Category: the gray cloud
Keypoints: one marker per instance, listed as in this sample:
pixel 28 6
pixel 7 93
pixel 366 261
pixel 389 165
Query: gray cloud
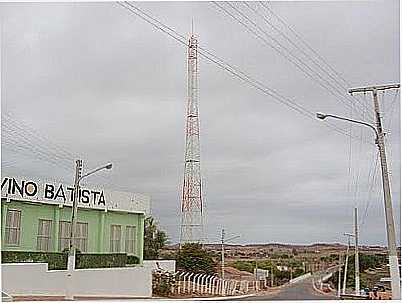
pixel 105 85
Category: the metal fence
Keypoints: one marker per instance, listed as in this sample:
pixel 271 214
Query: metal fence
pixel 199 284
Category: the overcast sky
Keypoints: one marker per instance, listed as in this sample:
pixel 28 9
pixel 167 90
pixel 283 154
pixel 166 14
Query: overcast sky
pixel 107 86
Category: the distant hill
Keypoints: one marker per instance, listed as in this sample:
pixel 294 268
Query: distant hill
pixel 314 246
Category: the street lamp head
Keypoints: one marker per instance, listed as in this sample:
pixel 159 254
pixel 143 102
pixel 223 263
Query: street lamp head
pixel 109 166
pixel 321 116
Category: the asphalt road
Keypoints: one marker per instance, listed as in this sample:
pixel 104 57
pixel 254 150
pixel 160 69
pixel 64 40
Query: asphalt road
pixel 299 291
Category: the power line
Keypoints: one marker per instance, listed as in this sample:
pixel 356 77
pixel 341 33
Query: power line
pixel 222 64
pixel 325 63
pixel 12 137
pixel 285 52
pixel 16 138
pixel 303 41
pixel 225 66
pixel 359 164
pixel 305 53
pixel 21 138
pixel 9 120
pixel 392 107
pixel 372 183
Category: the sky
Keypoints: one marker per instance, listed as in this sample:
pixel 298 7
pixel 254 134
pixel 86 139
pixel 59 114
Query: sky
pixel 93 80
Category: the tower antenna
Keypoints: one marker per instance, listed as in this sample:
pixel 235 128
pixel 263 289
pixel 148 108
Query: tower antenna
pixel 192 211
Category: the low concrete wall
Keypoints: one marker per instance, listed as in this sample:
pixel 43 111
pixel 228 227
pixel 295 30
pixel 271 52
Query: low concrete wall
pixel 168 265
pixel 300 278
pixel 31 279
pixel 22 279
pixel 326 277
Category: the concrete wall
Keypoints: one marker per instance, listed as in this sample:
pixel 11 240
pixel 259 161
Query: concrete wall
pixel 34 279
pixel 326 277
pixel 300 278
pixel 168 265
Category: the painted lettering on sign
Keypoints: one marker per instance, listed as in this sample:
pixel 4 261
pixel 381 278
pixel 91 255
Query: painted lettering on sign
pixel 55 192
pixel 24 188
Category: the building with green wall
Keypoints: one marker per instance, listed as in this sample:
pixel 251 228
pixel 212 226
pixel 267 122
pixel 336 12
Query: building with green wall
pixel 36 216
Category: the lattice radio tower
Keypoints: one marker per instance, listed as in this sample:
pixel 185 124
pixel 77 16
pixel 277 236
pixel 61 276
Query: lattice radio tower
pixel 191 229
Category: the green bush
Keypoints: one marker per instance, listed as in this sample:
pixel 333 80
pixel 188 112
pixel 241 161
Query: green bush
pixel 162 283
pixel 58 260
pixel 194 258
pixel 54 260
pixel 101 260
pixel 133 260
pixel 248 266
pixel 366 261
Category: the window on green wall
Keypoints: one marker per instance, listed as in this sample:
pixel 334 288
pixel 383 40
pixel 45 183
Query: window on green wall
pixel 13 227
pixel 64 235
pixel 130 239
pixel 115 238
pixel 44 239
pixel 81 235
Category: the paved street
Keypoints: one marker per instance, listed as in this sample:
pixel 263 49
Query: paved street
pixel 299 291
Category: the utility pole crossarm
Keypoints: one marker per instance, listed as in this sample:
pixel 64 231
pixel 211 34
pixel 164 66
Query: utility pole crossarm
pixel 372 88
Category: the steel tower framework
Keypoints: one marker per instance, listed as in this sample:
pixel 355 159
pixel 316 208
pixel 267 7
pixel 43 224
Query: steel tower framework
pixel 191 229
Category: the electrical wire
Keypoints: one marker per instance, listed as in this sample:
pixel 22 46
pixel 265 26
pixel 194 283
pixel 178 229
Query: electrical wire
pixel 306 44
pixel 19 137
pixel 226 66
pixel 335 83
pixel 254 29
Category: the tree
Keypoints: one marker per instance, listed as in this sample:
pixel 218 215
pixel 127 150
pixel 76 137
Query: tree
pixel 194 258
pixel 248 266
pixel 154 239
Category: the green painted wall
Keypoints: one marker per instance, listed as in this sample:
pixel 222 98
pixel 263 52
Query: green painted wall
pixel 99 223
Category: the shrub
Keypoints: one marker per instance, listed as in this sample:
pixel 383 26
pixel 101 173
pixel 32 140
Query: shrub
pixel 248 266
pixel 133 260
pixel 54 260
pixel 194 258
pixel 101 260
pixel 58 260
pixel 162 283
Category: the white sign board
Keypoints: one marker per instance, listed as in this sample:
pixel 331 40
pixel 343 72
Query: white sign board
pixel 50 192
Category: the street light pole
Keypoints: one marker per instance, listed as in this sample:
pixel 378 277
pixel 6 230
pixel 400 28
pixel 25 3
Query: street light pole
pixel 223 254
pixel 72 247
pixel 223 241
pixel 345 274
pixel 272 276
pixel 357 275
pixel 323 116
pixel 339 274
pixel 389 218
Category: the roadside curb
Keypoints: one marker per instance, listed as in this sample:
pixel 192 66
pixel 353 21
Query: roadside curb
pixel 318 290
pixel 210 298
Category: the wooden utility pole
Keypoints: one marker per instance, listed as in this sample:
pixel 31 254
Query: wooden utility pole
pixel 389 218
